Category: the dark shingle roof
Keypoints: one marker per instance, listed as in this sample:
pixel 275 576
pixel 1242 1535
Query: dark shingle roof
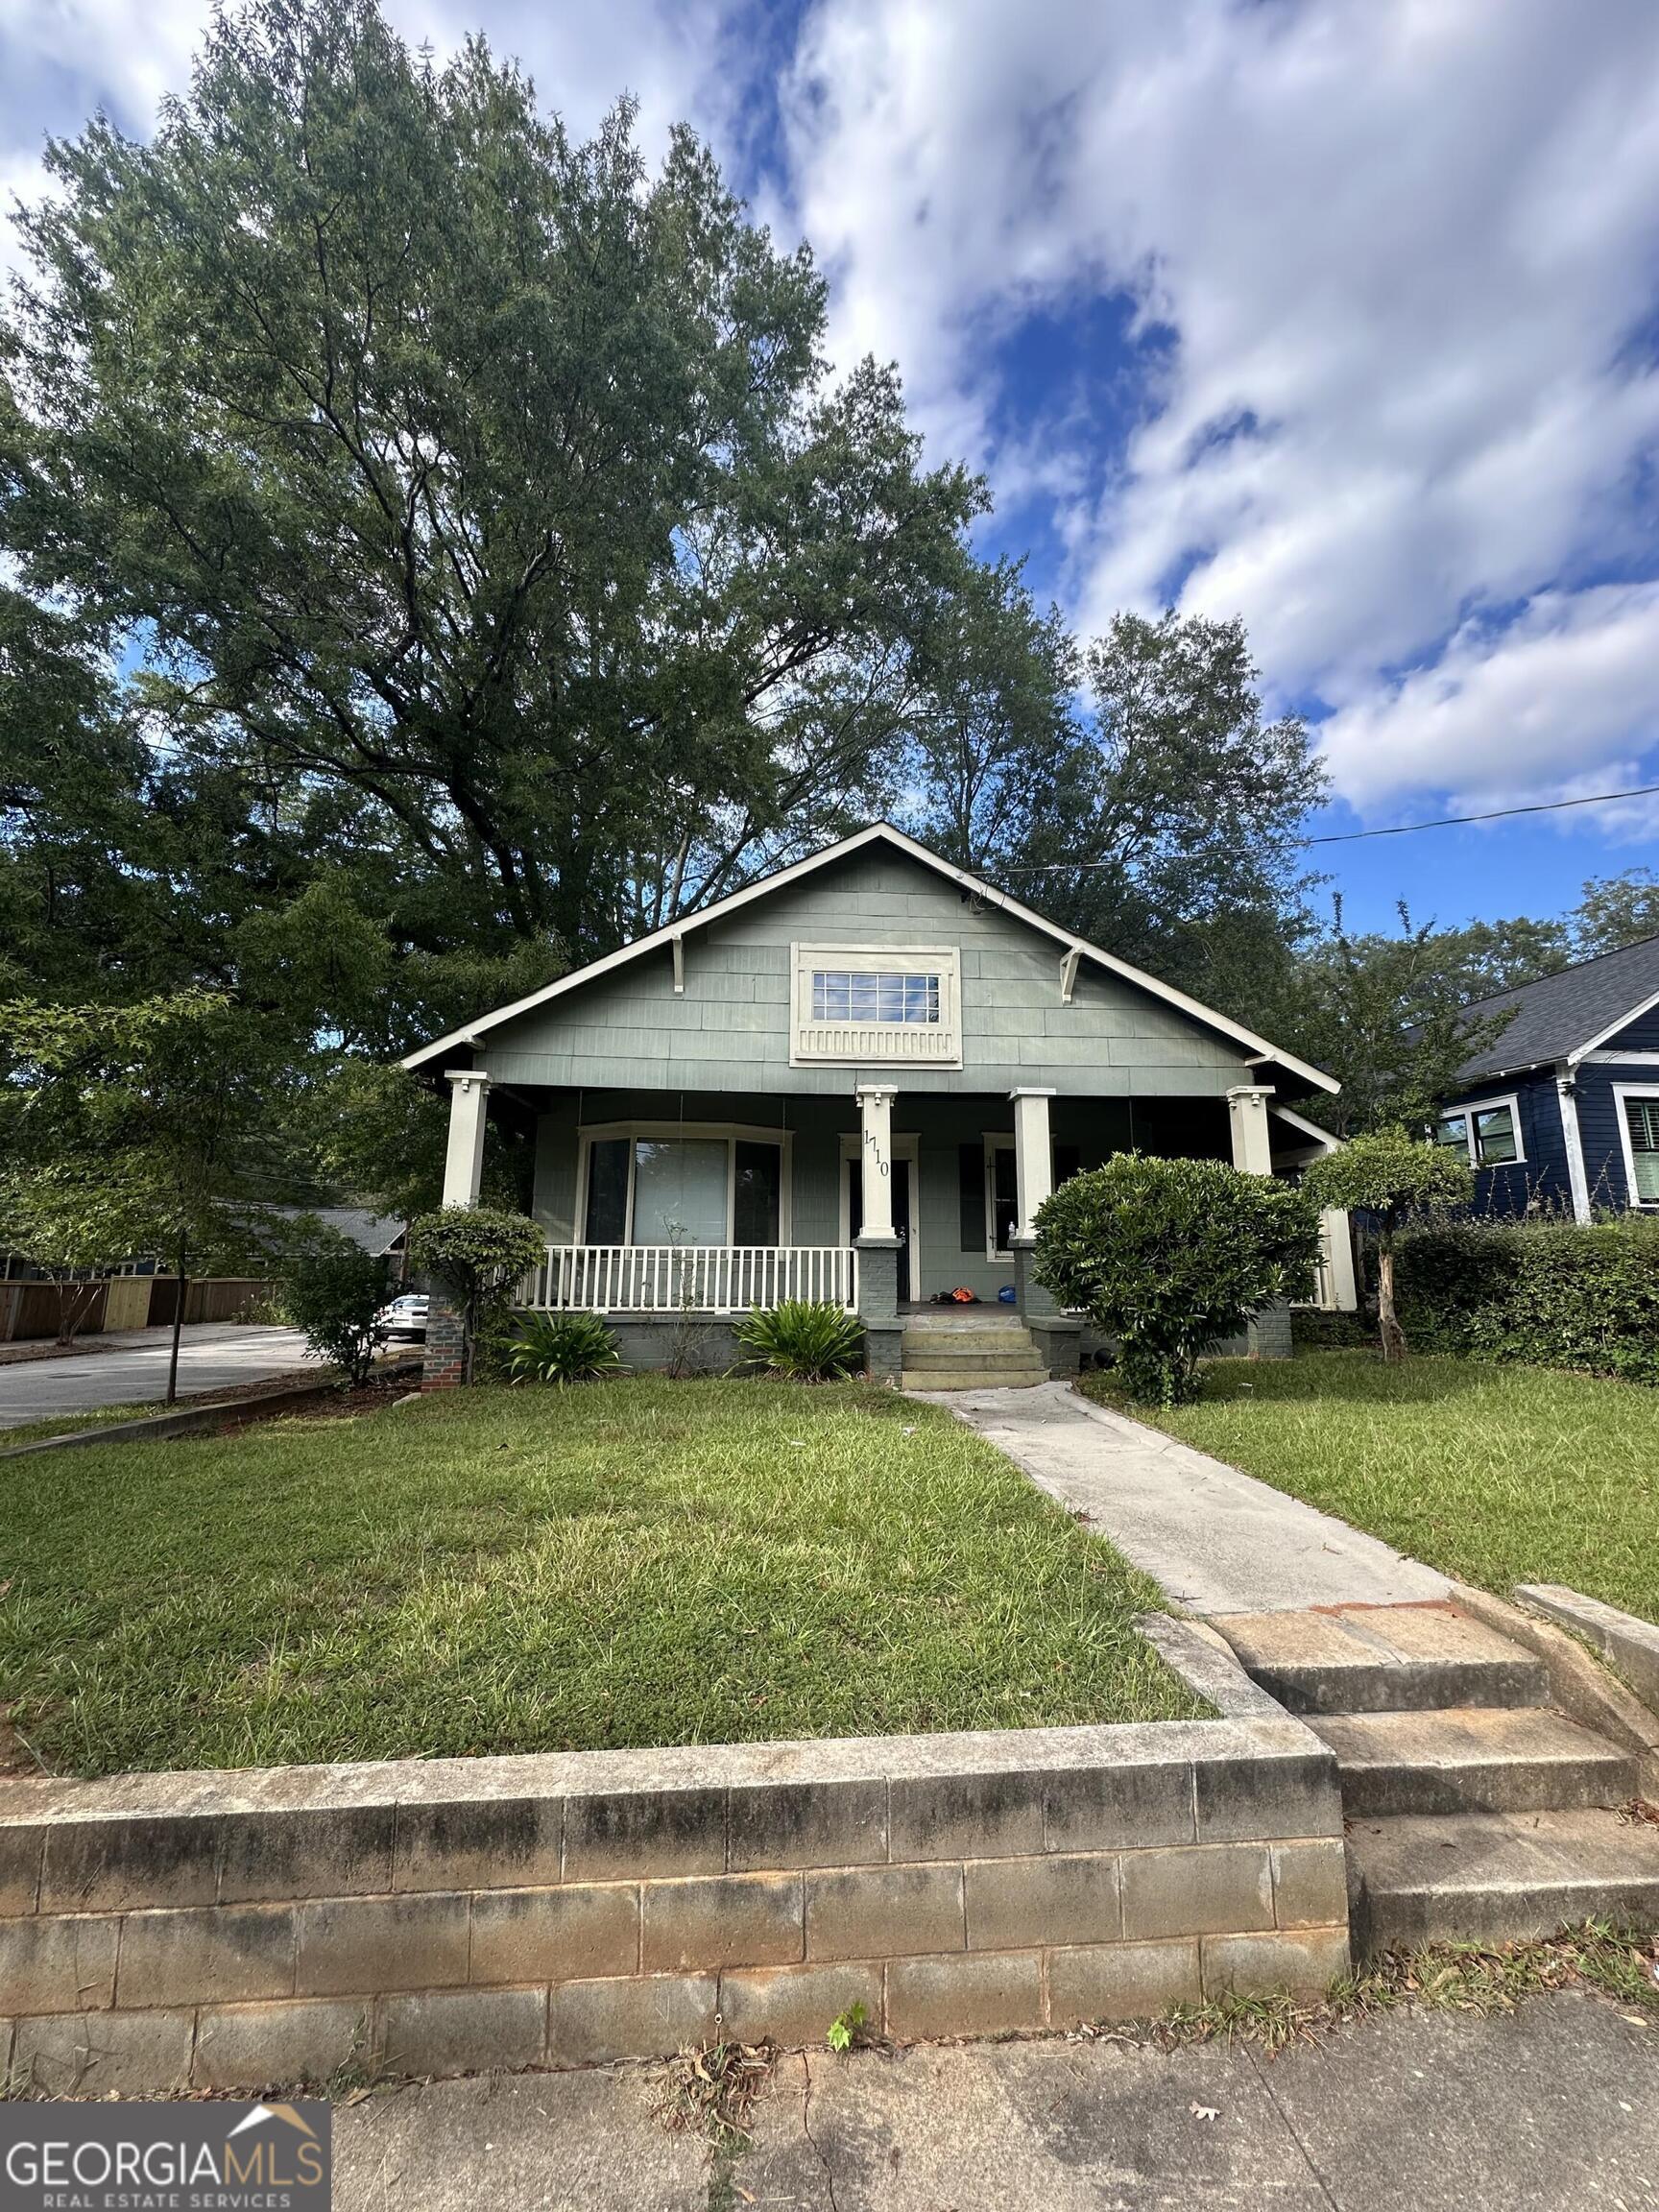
pixel 376 1233
pixel 1560 1014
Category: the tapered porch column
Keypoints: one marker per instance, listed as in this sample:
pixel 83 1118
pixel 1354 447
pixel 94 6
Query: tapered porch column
pixel 878 1242
pixel 1033 1157
pixel 464 1161
pixel 875 1155
pixel 1247 1113
pixel 1269 1333
pixel 1055 1335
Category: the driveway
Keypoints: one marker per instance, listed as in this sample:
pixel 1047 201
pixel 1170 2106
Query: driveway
pixel 214 1355
pixel 1555 2108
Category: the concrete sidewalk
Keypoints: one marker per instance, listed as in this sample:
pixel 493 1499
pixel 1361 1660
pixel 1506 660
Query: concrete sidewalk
pixel 1217 1540
pixel 212 1356
pixel 1555 2108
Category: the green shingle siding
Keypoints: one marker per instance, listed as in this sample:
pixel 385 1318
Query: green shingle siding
pixel 632 1030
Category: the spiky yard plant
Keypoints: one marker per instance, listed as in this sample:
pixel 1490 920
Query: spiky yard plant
pixel 560 1348
pixel 807 1339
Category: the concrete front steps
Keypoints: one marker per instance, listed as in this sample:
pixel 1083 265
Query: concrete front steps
pixel 1474 1812
pixel 968 1349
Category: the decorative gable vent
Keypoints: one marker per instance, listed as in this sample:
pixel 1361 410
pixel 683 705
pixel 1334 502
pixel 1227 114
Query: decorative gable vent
pixel 868 1006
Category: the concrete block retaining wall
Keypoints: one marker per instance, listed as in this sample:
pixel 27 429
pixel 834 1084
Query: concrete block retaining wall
pixel 262 1929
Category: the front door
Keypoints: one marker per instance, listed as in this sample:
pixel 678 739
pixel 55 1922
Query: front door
pixel 852 1170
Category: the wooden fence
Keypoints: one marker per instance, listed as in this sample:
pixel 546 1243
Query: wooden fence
pixel 31 1310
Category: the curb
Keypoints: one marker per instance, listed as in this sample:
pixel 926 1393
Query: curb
pixel 194 1417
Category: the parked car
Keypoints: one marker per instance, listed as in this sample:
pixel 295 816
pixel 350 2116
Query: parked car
pixel 405 1318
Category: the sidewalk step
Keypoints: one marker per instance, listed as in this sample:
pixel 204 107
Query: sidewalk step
pixel 1472 1759
pixel 1497 1877
pixel 1383 1659
pixel 980 1378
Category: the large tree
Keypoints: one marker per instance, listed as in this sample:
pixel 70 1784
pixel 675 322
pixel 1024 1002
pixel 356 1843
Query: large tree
pixel 1164 817
pixel 483 481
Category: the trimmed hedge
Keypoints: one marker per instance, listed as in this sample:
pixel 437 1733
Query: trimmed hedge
pixel 1551 1292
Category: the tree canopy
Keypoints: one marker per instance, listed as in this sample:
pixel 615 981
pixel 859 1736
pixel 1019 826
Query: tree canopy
pixel 436 550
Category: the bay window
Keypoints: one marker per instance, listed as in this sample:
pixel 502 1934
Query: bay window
pixel 685 1186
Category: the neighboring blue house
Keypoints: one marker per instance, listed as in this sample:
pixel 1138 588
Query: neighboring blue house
pixel 1561 1109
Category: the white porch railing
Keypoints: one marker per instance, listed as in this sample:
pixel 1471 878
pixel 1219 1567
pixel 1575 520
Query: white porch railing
pixel 692 1277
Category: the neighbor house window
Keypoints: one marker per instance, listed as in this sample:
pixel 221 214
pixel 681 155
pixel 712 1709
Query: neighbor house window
pixel 876 1005
pixel 1487 1134
pixel 1641 1147
pixel 646 1185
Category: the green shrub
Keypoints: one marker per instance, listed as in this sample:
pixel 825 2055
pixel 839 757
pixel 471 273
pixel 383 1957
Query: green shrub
pixel 333 1290
pixel 812 1341
pixel 1170 1257
pixel 479 1256
pixel 1550 1292
pixel 560 1348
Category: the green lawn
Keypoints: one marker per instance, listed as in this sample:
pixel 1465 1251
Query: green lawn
pixel 633 1563
pixel 1498 1475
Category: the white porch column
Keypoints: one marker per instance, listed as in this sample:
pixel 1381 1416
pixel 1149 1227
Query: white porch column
pixel 464 1161
pixel 1338 1244
pixel 1577 1176
pixel 1033 1160
pixel 876 1156
pixel 1247 1112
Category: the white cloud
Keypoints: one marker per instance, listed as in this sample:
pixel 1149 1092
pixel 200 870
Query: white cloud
pixel 1405 244
pixel 1401 247
pixel 1546 707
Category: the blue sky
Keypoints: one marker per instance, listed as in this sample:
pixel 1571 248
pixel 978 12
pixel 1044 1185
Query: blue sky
pixel 1339 314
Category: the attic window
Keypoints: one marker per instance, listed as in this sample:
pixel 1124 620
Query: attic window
pixel 876 1005
pixel 879 995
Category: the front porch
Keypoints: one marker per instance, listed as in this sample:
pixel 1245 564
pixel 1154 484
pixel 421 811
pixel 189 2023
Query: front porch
pixel 667 1207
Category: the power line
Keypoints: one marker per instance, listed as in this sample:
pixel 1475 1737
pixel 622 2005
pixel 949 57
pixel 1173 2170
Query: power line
pixel 1397 830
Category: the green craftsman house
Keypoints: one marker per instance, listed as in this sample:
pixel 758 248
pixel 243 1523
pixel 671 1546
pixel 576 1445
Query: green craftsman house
pixel 857 1079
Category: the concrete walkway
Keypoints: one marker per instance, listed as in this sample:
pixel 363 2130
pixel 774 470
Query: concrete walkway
pixel 214 1355
pixel 1555 2108
pixel 1218 1541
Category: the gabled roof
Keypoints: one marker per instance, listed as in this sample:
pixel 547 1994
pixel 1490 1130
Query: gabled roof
pixel 1562 1017
pixel 878 833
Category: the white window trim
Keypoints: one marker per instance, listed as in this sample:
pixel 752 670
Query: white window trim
pixel 882 1044
pixel 655 1132
pixel 910 1150
pixel 996 1140
pixel 1622 1092
pixel 1475 1106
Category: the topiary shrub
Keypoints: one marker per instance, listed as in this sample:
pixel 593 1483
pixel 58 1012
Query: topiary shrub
pixel 334 1290
pixel 480 1256
pixel 1170 1257
pixel 805 1338
pixel 560 1348
pixel 1389 1176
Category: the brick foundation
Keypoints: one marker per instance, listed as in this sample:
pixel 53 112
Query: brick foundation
pixel 260 1930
